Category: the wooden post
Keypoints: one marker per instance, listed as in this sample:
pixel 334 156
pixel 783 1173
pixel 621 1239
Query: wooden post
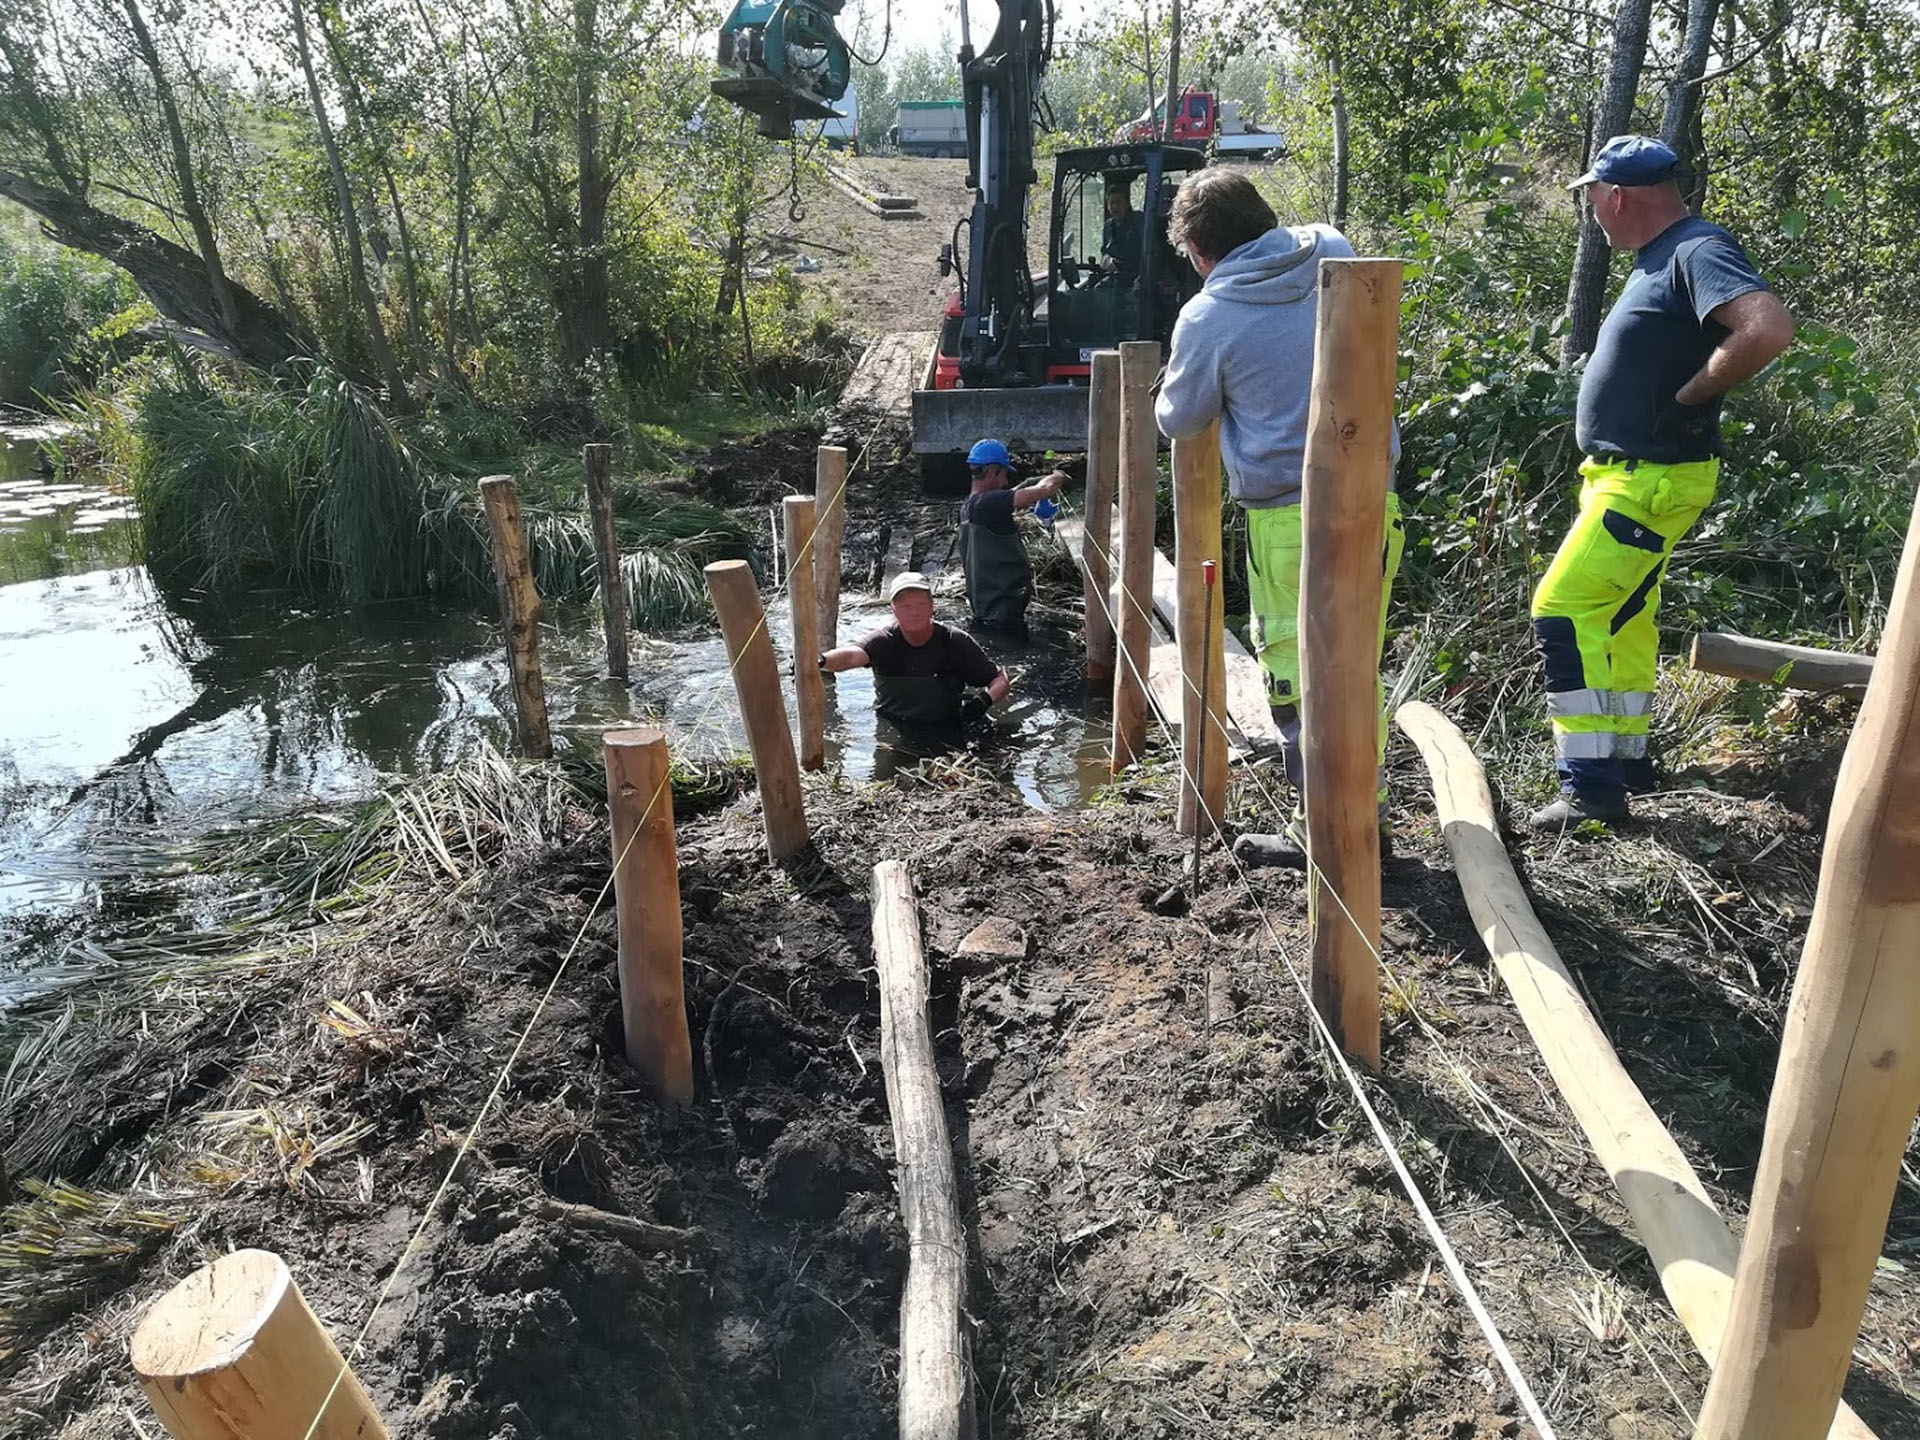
pixel 810 694
pixel 1343 526
pixel 1203 662
pixel 756 676
pixel 1103 474
pixel 1686 1238
pixel 935 1403
pixel 519 611
pixel 646 888
pixel 1848 1084
pixel 233 1353
pixel 1139 473
pixel 1799 666
pixel 598 460
pixel 829 531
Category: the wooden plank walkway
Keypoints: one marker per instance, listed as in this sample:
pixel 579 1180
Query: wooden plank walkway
pixel 1249 724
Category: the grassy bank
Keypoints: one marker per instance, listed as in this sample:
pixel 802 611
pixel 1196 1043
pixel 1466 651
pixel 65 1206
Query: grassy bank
pixel 244 486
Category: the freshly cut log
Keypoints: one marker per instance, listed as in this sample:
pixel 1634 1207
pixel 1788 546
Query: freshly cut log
pixel 1688 1241
pixel 1800 666
pixel 935 1401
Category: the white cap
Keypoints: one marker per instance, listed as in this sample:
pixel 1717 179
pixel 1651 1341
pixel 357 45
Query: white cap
pixel 908 580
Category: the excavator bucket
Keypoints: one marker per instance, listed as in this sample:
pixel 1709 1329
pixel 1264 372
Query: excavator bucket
pixel 784 62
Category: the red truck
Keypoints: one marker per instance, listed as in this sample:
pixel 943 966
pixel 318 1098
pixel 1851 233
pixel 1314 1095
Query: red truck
pixel 1204 119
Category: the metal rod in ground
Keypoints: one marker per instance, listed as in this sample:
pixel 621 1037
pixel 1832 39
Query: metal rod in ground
pixel 598 462
pixel 756 677
pixel 1211 820
pixel 520 611
pixel 1848 1082
pixel 829 536
pixel 1103 475
pixel 810 695
pixel 1347 468
pixel 1139 467
pixel 233 1353
pixel 936 1402
pixel 1203 672
pixel 646 888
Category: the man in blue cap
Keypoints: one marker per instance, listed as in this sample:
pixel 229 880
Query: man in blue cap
pixel 1693 320
pixel 999 580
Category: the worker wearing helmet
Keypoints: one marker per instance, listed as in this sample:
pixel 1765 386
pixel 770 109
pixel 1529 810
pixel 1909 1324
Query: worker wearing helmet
pixel 999 580
pixel 1693 320
pixel 921 668
pixel 1242 354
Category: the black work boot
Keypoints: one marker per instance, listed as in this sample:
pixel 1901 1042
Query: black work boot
pixel 1640 775
pixel 1573 807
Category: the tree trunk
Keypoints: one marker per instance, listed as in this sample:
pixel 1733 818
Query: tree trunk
pixel 349 218
pixel 221 289
pixel 1340 155
pixel 357 112
pixel 1678 127
pixel 177 281
pixel 586 326
pixel 1612 116
pixel 1173 72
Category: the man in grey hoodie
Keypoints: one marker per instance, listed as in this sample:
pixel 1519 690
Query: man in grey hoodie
pixel 1242 353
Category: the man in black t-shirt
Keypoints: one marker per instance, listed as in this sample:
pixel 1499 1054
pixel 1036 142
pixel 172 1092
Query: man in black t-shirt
pixel 1693 320
pixel 921 668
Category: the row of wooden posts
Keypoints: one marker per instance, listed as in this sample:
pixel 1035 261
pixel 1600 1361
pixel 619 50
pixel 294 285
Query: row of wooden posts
pixel 234 1351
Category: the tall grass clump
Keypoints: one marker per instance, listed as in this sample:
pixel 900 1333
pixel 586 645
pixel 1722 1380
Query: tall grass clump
pixel 240 486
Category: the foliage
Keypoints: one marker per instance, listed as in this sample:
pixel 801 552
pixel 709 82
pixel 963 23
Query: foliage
pixel 53 305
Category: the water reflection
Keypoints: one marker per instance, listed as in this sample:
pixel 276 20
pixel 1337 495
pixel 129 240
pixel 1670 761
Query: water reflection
pixel 50 528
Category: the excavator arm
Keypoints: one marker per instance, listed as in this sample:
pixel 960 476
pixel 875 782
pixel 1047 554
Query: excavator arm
pixel 784 61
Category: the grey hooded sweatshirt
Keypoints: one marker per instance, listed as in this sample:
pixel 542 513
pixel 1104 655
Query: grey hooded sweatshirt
pixel 1242 353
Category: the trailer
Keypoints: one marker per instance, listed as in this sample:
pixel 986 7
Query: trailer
pixel 933 128
pixel 1205 120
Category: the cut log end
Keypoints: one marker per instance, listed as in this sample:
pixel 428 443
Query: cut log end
pixel 210 1319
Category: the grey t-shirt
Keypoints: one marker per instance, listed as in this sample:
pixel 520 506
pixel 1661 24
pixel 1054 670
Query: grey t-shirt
pixel 1654 340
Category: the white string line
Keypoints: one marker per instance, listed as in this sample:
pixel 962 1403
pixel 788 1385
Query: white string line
pixel 499 1084
pixel 1503 1356
pixel 1476 1096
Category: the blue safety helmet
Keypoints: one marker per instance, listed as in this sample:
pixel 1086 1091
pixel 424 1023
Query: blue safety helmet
pixel 988 452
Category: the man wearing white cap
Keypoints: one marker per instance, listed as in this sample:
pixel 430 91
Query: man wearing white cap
pixel 921 668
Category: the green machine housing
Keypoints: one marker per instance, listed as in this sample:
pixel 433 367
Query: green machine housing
pixel 785 62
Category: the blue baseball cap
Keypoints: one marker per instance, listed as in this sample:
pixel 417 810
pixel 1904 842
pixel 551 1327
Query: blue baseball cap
pixel 989 452
pixel 1630 160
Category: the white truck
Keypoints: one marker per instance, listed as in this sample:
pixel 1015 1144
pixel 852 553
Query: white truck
pixel 936 128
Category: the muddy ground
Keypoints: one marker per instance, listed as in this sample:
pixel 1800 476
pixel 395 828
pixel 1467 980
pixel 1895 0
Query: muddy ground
pixel 1181 1224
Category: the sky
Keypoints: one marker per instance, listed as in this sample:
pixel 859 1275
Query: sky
pixel 934 24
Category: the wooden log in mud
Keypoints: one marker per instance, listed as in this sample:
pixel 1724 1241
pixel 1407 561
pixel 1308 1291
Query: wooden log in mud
pixel 646 887
pixel 936 1402
pixel 1800 667
pixel 233 1353
pixel 809 691
pixel 1686 1238
pixel 1201 629
pixel 829 539
pixel 1344 478
pixel 756 678
pixel 1139 470
pixel 1103 476
pixel 519 612
pixel 1848 1083
pixel 598 462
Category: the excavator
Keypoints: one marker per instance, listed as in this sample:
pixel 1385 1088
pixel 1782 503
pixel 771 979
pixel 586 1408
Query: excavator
pixel 1015 348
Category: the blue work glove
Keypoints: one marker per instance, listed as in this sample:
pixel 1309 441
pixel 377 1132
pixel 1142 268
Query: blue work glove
pixel 1044 510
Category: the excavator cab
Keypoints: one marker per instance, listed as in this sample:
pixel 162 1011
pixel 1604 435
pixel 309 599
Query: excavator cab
pixel 785 62
pixel 1114 275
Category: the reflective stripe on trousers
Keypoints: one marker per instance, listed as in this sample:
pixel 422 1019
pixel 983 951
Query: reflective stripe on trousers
pixel 1593 613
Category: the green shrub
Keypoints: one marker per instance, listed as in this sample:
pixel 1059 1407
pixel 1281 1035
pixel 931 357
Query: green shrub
pixel 51 303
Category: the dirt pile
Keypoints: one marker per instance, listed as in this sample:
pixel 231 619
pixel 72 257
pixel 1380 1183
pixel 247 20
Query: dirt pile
pixel 1182 1225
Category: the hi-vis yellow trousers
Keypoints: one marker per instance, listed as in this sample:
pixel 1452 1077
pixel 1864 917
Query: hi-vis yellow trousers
pixel 1594 612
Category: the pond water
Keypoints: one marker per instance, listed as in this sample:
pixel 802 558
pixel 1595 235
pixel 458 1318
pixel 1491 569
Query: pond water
pixel 130 725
